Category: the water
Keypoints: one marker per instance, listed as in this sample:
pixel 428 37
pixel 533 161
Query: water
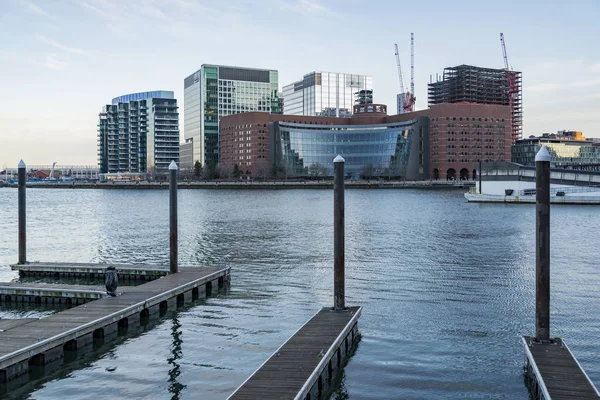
pixel 447 287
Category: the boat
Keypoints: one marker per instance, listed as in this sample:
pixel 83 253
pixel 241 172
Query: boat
pixel 524 193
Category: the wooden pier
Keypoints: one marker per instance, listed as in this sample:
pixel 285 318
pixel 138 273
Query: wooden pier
pixel 89 271
pixel 43 293
pixel 553 372
pixel 304 367
pixel 40 341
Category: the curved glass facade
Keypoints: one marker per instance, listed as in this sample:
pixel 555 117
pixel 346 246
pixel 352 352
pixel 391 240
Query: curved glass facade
pixel 397 149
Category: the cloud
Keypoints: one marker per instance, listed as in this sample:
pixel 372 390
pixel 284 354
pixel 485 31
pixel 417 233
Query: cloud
pixel 61 46
pixel 53 62
pixel 37 10
pixel 309 7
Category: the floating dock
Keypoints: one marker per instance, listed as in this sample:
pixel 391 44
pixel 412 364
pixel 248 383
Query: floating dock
pixel 40 341
pixel 89 271
pixel 304 367
pixel 43 293
pixel 554 373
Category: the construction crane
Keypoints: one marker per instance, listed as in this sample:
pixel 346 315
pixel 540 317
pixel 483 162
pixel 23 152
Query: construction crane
pixel 400 78
pixel 412 73
pixel 406 99
pixel 513 90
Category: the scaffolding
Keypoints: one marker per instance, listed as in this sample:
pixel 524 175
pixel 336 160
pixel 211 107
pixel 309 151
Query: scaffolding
pixel 470 84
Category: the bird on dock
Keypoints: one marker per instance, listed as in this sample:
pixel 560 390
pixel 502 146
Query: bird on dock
pixel 111 281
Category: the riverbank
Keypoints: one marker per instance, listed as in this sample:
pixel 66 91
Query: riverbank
pixel 459 185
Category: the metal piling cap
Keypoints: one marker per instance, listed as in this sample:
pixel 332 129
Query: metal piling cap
pixel 339 159
pixel 21 164
pixel 543 155
pixel 173 166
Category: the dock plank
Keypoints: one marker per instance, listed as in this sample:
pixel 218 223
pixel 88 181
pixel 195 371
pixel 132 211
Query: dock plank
pixel 20 342
pixel 289 370
pixel 7 324
pixel 83 269
pixel 562 376
pixel 51 290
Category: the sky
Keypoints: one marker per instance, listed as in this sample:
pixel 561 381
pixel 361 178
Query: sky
pixel 62 60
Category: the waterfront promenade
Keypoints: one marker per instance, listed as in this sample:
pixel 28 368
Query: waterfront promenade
pixel 325 184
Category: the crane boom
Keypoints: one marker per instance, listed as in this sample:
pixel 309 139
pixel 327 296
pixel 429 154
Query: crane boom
pixel 412 65
pixel 506 65
pixel 399 69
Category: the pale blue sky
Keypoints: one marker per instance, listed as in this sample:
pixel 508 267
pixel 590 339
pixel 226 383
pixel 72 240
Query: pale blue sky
pixel 60 61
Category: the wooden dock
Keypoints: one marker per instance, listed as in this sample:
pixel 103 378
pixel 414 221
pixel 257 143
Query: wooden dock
pixel 89 271
pixel 46 293
pixel 304 367
pixel 41 341
pixel 554 373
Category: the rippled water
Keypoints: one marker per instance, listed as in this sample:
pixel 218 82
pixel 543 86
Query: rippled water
pixel 447 287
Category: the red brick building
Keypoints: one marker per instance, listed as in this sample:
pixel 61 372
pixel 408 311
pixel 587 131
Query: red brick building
pixel 461 134
pixel 458 136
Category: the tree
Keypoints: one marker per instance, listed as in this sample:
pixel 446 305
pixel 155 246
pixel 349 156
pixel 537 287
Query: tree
pixel 236 171
pixel 198 169
pixel 262 168
pixel 315 169
pixel 368 170
pixel 211 171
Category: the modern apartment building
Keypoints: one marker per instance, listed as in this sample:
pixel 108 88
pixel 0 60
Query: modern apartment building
pixel 215 91
pixel 325 94
pixel 139 133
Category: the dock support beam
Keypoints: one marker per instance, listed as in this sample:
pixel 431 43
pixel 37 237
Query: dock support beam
pixel 338 234
pixel 173 217
pixel 22 214
pixel 542 257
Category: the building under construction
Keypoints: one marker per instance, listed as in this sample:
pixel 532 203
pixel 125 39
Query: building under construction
pixel 470 84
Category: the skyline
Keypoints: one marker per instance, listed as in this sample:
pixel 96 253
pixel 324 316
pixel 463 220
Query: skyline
pixel 63 62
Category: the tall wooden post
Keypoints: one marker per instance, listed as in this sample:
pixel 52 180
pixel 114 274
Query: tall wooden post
pixel 542 258
pixel 22 214
pixel 174 268
pixel 338 234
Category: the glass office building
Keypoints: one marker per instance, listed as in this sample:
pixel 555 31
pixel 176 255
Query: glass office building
pixel 215 91
pixel 398 149
pixel 564 152
pixel 325 94
pixel 139 133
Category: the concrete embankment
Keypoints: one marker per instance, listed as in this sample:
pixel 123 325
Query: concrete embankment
pixel 460 185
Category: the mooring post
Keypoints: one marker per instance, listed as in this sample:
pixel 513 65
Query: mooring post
pixel 542 255
pixel 480 176
pixel 338 234
pixel 22 214
pixel 173 216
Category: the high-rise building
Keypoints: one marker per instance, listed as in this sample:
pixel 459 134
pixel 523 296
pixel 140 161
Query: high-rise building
pixel 476 85
pixel 139 133
pixel 215 91
pixel 325 94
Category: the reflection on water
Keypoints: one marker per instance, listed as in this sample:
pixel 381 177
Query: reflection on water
pixel 447 287
pixel 175 387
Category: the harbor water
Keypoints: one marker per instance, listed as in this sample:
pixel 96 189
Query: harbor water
pixel 447 287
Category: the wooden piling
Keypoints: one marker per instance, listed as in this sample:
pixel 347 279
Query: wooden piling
pixel 22 214
pixel 173 265
pixel 542 259
pixel 338 234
